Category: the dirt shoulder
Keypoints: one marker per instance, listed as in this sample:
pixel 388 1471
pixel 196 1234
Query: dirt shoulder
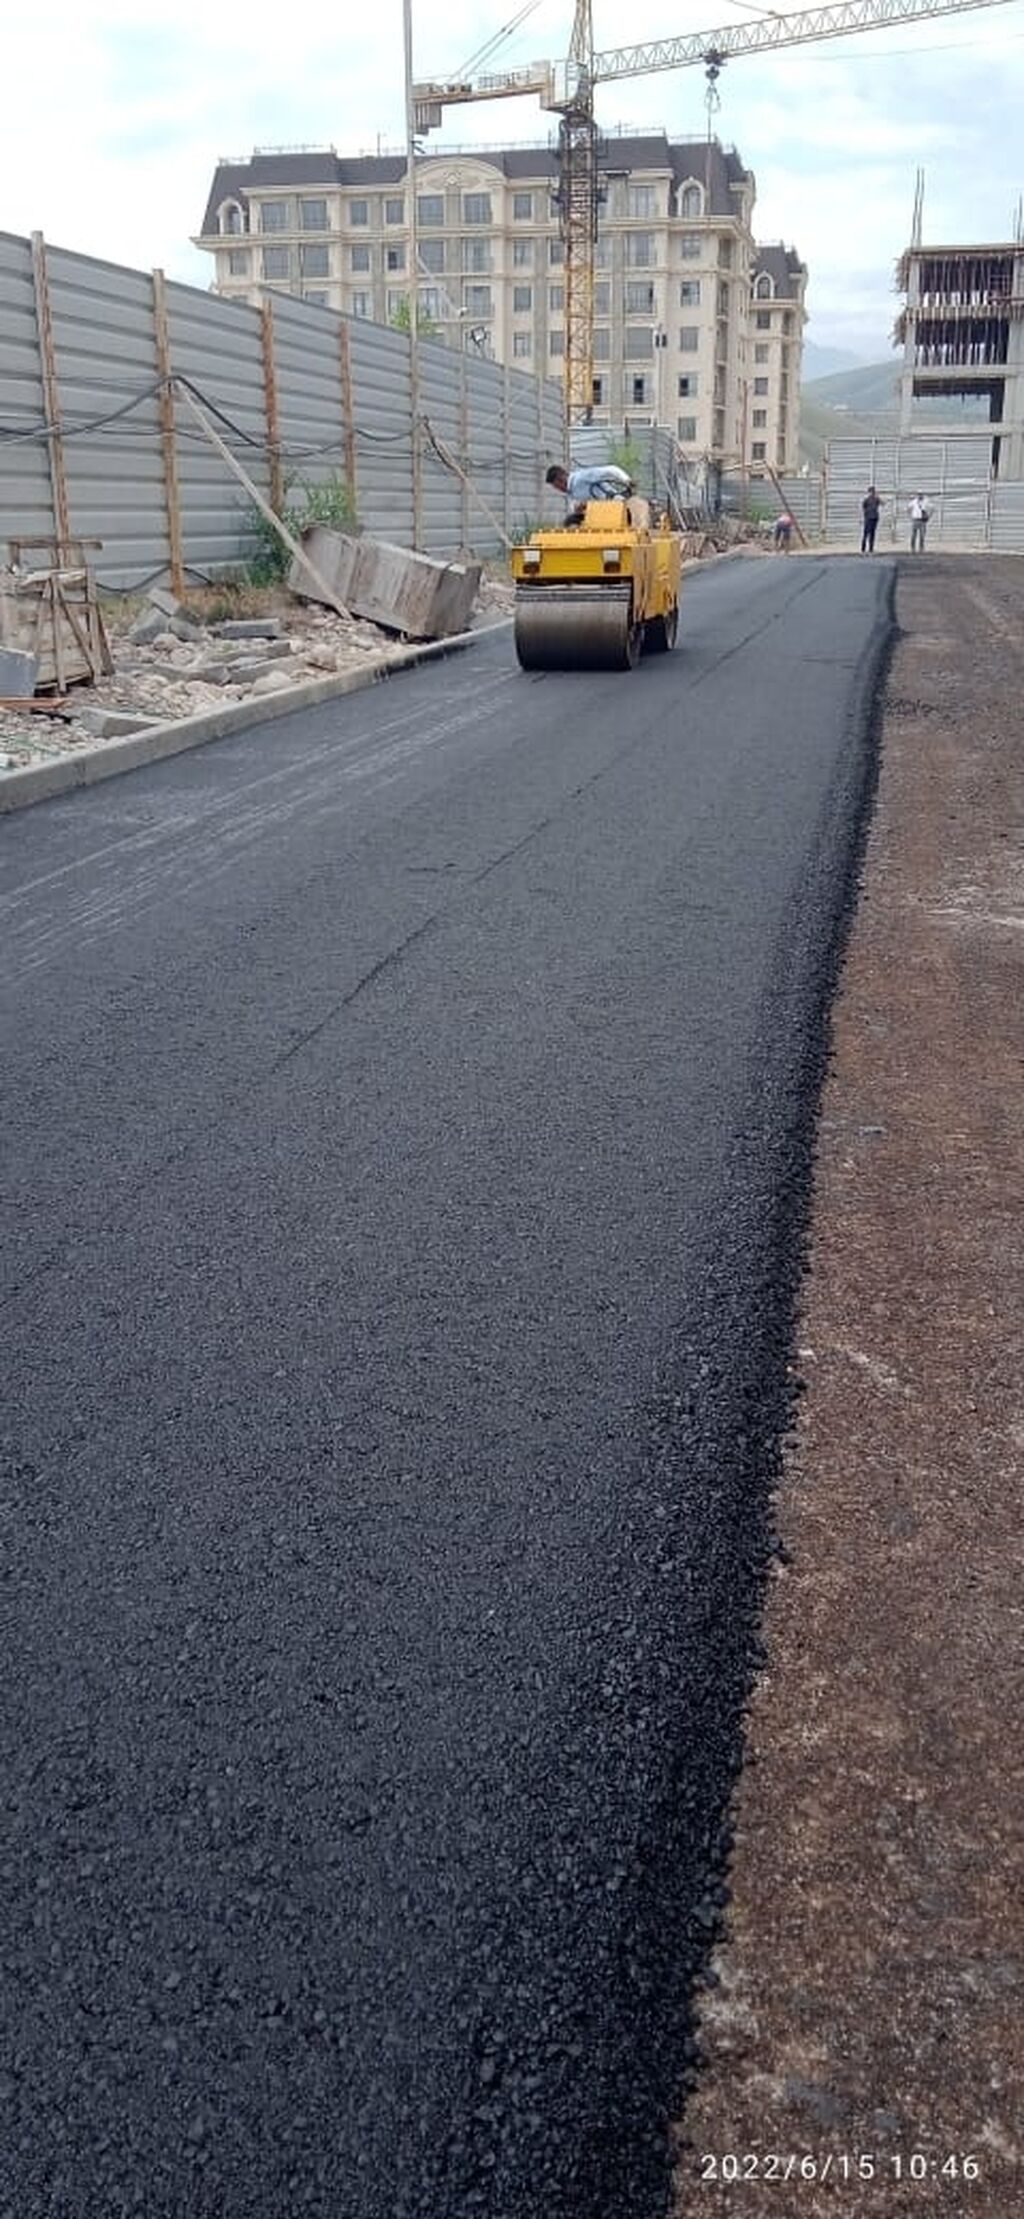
pixel 868 2000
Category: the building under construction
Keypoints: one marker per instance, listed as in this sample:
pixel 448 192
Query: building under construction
pixel 962 331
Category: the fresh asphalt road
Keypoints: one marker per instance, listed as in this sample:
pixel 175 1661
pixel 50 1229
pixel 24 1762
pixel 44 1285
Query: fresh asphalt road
pixel 407 1122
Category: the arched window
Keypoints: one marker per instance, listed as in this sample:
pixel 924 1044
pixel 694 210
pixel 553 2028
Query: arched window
pixel 764 289
pixel 691 201
pixel 231 219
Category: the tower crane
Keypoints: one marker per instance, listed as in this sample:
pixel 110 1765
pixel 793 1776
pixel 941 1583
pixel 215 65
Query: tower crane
pixel 567 90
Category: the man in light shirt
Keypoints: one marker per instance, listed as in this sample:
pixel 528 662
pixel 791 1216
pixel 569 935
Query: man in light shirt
pixel 589 481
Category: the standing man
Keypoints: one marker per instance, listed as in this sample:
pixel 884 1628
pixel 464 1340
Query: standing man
pixel 919 513
pixel 592 481
pixel 870 509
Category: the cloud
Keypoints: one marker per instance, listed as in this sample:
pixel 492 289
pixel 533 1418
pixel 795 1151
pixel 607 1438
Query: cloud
pixel 137 115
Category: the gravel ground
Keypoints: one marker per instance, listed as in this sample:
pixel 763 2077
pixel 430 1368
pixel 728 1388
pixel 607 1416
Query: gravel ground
pixel 866 2006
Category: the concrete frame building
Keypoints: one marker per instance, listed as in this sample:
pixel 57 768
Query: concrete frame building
pixel 962 330
pixel 695 325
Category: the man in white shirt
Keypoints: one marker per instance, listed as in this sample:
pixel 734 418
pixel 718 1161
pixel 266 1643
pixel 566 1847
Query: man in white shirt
pixel 919 513
pixel 590 481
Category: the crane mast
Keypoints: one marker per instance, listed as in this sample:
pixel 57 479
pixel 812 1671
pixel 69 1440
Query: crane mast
pixel 567 89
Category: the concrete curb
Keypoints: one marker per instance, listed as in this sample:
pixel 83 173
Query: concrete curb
pixel 87 766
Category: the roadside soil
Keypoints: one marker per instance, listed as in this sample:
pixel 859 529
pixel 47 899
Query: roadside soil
pixel 866 2001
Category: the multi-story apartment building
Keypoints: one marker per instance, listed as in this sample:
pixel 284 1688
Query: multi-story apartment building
pixel 695 326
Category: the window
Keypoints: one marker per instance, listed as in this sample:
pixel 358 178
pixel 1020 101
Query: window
pixel 394 257
pixel 762 320
pixel 725 254
pixel 556 252
pixel 759 450
pixel 639 297
pixel 394 209
pixel 360 257
pixel 787 321
pixel 476 207
pixel 274 215
pixel 690 244
pixel 431 256
pixel 316 261
pixel 602 298
pixel 639 250
pixel 360 304
pixel 276 262
pixel 638 343
pixel 319 300
pixel 522 207
pixel 602 344
pixel 760 385
pixel 640 200
pixel 556 342
pixel 231 220
pixel 522 344
pixel 689 293
pixel 429 302
pixel 358 213
pixel 476 255
pixel 686 427
pixel 429 209
pixel 688 386
pixel 639 392
pixel 313 215
pixel 603 253
pixel 522 300
pixel 688 336
pixel 723 300
pixel 238 262
pixel 597 392
pixel 691 202
pixel 763 288
pixel 761 352
pixel 522 254
pixel 556 298
pixel 478 300
pixel 760 418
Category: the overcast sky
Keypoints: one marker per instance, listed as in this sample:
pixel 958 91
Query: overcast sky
pixel 112 126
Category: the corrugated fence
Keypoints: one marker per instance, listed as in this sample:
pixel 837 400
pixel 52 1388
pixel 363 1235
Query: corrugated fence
pixel 97 440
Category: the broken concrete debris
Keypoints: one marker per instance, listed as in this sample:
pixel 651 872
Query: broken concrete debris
pixel 414 595
pixel 18 672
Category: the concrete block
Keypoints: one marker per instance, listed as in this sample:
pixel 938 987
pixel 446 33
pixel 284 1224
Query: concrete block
pixel 18 673
pixel 163 598
pixel 146 629
pixel 408 593
pixel 249 628
pixel 111 724
pixel 274 680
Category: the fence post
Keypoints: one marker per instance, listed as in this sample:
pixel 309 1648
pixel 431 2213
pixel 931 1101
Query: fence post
pixel 348 422
pixel 51 394
pixel 463 448
pixel 506 446
pixel 167 439
pixel 416 456
pixel 270 405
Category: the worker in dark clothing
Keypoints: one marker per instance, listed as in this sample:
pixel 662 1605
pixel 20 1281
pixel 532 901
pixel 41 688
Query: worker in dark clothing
pixel 870 509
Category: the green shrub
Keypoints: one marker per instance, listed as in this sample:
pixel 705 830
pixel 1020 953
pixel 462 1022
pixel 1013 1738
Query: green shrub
pixel 330 503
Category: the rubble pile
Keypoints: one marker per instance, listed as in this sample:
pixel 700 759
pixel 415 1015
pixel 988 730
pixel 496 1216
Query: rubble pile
pixel 172 661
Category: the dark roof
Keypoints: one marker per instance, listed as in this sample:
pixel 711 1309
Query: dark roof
pixel 718 169
pixel 783 266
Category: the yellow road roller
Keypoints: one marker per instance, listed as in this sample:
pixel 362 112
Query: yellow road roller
pixel 597 594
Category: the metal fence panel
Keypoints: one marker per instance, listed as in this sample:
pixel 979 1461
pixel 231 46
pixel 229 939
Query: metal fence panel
pixel 954 471
pixel 25 499
pixel 1006 513
pixel 295 387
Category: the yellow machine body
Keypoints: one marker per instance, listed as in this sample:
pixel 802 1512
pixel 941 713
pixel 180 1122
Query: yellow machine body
pixel 594 596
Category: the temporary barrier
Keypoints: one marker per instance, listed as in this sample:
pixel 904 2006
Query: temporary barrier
pixel 95 442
